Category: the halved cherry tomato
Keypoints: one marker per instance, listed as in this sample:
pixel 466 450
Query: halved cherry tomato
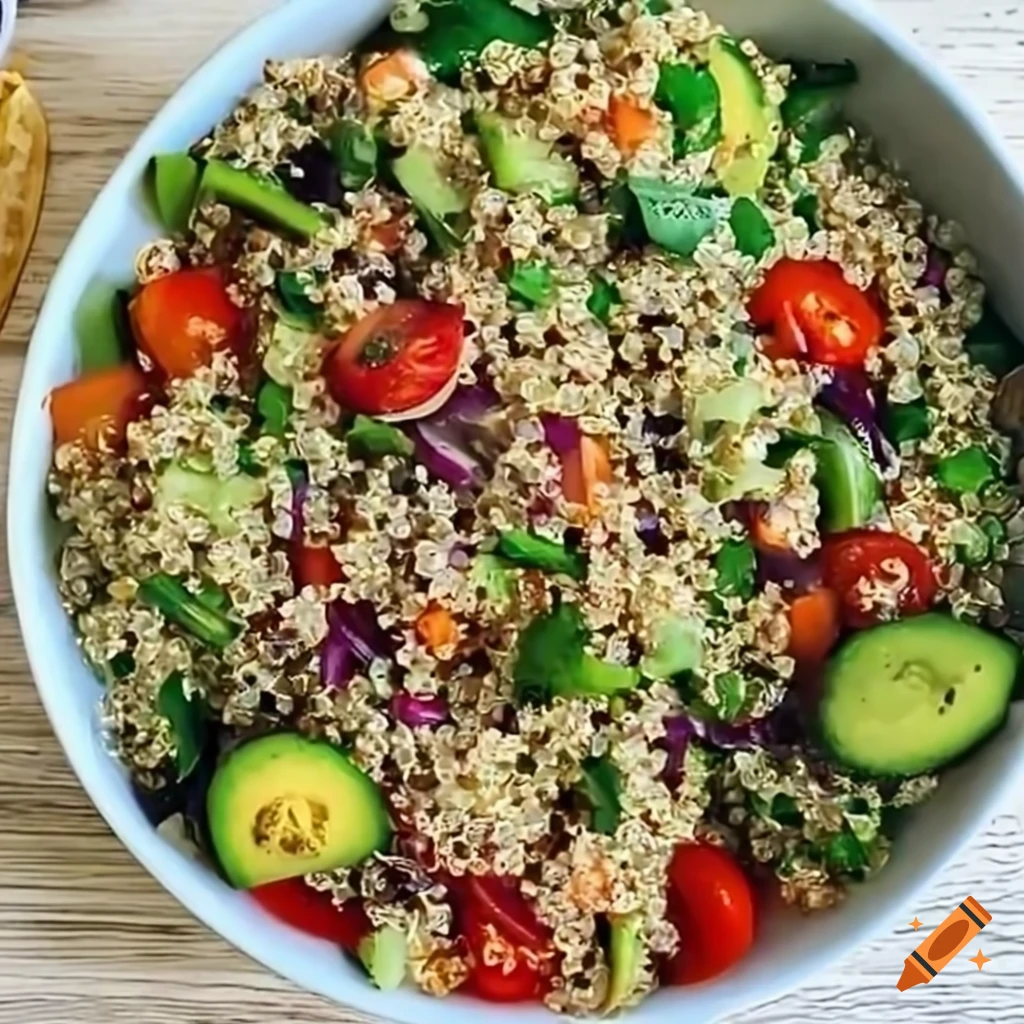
pixel 180 319
pixel 312 912
pixel 314 566
pixel 396 358
pixel 711 903
pixel 510 950
pixel 815 313
pixel 98 407
pixel 629 124
pixel 858 558
pixel 814 620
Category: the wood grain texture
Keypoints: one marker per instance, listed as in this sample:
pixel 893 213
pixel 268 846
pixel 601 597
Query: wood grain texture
pixel 86 936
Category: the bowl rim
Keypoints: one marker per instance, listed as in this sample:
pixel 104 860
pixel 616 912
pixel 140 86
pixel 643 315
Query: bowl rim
pixel 145 844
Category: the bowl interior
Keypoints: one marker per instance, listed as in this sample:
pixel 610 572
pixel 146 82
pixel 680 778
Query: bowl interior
pixel 958 167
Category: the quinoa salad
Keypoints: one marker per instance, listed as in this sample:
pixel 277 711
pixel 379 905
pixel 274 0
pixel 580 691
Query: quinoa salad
pixel 548 493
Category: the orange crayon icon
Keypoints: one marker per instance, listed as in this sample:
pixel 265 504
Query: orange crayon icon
pixel 943 944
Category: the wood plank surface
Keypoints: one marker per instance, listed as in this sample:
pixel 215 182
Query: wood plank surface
pixel 86 936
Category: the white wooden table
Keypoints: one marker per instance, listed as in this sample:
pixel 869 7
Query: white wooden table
pixel 86 936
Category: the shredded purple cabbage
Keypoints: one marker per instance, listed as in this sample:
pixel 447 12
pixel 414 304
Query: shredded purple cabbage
pixel 848 395
pixel 419 711
pixel 648 529
pixel 456 444
pixel 300 492
pixel 561 433
pixel 354 639
pixel 795 575
pixel 935 270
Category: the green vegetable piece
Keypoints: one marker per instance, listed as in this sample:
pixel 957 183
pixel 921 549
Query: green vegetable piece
pixel 601 784
pixel 674 217
pixel 175 182
pixel 354 149
pixel 626 222
pixel 806 207
pixel 187 715
pixel 602 678
pixel 523 164
pixel 300 312
pixel 247 461
pixel 908 421
pixel 274 405
pixel 813 73
pixel 216 498
pixel 436 199
pixel 736 569
pixel 991 343
pixel 813 109
pixel 494 577
pixel 288 350
pixel 385 955
pixel 848 483
pixel 677 648
pixel 754 235
pixel 603 295
pixel 731 689
pixel 967 471
pixel 691 96
pixel 625 960
pixel 735 403
pixel 844 853
pixel 973 544
pixel 122 665
pixel 459 31
pixel 532 281
pixel 214 596
pixel 370 438
pixel 260 198
pixel 529 551
pixel 101 327
pixel 168 595
pixel 751 124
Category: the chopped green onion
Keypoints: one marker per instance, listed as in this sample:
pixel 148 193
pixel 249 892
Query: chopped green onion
pixel 907 421
pixel 168 595
pixel 274 404
pixel 529 551
pixel 603 295
pixel 692 97
pixel 532 281
pixel 187 715
pixel 302 312
pixel 601 784
pixel 736 569
pixel 967 471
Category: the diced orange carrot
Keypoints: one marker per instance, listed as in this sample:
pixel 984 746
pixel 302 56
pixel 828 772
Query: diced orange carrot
pixel 814 626
pixel 629 124
pixel 392 77
pixel 97 408
pixel 583 470
pixel 436 628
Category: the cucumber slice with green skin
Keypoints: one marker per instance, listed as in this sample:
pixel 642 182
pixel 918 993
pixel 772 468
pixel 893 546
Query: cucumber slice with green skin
pixel 385 955
pixel 524 164
pixel 849 484
pixel 911 696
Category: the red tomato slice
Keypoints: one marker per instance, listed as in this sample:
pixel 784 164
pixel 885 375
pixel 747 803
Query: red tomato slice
pixel 180 319
pixel 98 407
pixel 312 912
pixel 711 903
pixel 314 566
pixel 815 313
pixel 397 358
pixel 857 558
pixel 499 902
pixel 501 972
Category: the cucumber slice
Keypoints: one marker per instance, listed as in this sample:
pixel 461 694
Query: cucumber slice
pixel 911 696
pixel 849 484
pixel 385 956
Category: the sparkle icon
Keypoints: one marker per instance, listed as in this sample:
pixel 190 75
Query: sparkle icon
pixel 915 924
pixel 980 959
pixel 939 948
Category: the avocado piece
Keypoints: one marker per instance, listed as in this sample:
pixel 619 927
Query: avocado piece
pixel 625 960
pixel 751 125
pixel 434 196
pixel 525 164
pixel 385 955
pixel 259 197
pixel 911 696
pixel 282 805
pixel 849 485
pixel 175 181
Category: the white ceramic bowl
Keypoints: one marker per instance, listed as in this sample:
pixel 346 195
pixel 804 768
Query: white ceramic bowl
pixel 958 165
pixel 8 12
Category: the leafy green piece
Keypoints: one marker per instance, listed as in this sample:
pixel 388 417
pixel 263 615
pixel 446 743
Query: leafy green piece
pixel 603 295
pixel 101 326
pixel 529 551
pixel 967 471
pixel 533 281
pixel 847 479
pixel 354 150
pixel 495 578
pixel 676 649
pixel 906 421
pixel 691 96
pixel 459 31
pixel 274 405
pixel 601 784
pixel 736 569
pixel 370 438
pixel 731 691
pixel 552 660
pixel 991 343
pixel 178 605
pixel 674 217
pixel 187 716
pixel 754 235
pixel 806 207
pixel 247 461
pixel 845 853
pixel 813 108
pixel 303 312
